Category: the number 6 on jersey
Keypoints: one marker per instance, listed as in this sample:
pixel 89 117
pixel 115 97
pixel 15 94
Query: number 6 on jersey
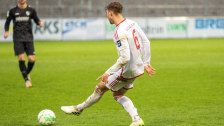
pixel 137 44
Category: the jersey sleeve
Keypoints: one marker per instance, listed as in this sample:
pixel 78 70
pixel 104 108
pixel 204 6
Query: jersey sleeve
pixel 146 47
pixel 35 17
pixel 123 53
pixel 9 17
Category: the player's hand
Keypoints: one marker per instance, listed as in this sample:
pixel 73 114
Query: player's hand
pixel 150 71
pixel 41 24
pixel 104 78
pixel 6 34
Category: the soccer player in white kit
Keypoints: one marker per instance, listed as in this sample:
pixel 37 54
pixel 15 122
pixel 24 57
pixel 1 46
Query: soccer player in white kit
pixel 132 44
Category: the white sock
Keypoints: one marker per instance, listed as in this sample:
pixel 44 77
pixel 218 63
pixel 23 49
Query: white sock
pixel 95 97
pixel 129 107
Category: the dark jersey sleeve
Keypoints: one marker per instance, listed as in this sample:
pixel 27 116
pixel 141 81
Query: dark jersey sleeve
pixel 35 17
pixel 8 20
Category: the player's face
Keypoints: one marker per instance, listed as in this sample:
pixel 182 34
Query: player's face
pixel 21 2
pixel 110 16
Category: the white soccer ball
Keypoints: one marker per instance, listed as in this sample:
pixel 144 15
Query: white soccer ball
pixel 46 117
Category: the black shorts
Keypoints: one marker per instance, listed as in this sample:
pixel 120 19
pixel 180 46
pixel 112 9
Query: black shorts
pixel 21 47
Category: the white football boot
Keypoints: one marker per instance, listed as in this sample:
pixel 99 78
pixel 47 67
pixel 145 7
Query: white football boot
pixel 28 84
pixel 71 110
pixel 138 123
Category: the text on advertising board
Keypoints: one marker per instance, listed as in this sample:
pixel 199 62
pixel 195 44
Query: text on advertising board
pixel 209 23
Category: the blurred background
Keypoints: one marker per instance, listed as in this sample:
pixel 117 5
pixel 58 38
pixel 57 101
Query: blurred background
pixel 85 19
pixel 132 8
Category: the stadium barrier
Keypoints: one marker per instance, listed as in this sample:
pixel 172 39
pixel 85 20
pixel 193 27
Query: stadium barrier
pixel 100 29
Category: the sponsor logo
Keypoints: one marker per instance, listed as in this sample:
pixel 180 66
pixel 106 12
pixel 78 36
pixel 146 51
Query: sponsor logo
pixel 51 27
pixel 176 27
pixel 209 23
pixel 119 43
pixel 22 19
pixel 154 29
pixel 72 25
pixel 27 13
pixel 16 14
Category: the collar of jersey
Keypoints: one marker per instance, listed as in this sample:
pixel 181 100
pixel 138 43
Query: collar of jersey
pixel 120 22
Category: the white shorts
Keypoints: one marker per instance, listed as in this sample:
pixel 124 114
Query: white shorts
pixel 115 82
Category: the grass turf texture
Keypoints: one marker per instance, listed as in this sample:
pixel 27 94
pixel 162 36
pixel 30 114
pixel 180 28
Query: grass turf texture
pixel 187 90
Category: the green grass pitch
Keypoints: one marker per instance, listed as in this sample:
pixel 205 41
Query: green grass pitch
pixel 187 90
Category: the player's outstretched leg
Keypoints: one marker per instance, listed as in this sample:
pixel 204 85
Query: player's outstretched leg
pixel 97 94
pixel 128 106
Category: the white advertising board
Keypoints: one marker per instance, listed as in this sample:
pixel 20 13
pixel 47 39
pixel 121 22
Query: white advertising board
pixel 178 27
pixel 206 28
pixel 83 29
pixel 100 28
pixel 166 28
pixel 51 30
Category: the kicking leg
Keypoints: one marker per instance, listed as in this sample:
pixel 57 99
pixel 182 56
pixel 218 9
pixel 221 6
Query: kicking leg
pixel 128 106
pixel 97 94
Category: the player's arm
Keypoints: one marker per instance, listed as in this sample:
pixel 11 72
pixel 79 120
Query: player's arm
pixel 146 53
pixel 124 57
pixel 7 23
pixel 36 18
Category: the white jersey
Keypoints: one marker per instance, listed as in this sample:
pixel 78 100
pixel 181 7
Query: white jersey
pixel 132 45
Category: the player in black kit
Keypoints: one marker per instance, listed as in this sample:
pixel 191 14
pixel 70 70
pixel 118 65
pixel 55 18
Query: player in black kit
pixel 23 36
